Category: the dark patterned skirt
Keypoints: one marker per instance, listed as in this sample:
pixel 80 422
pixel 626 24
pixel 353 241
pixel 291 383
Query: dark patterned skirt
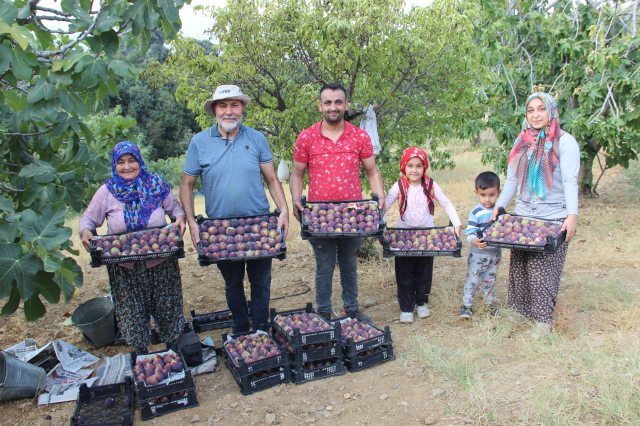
pixel 140 292
pixel 534 282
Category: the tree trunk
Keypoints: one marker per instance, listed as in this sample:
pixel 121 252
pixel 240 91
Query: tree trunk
pixel 585 177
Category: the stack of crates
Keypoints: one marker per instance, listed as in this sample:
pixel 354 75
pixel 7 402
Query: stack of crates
pixel 177 393
pixel 104 405
pixel 270 369
pixel 315 352
pixel 373 347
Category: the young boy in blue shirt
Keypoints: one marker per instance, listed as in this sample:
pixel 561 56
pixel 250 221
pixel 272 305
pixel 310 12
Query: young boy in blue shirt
pixel 483 263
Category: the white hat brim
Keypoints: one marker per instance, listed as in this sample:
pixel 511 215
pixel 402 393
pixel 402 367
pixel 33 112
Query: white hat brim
pixel 208 106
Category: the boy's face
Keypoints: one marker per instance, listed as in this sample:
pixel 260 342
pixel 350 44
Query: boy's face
pixel 488 197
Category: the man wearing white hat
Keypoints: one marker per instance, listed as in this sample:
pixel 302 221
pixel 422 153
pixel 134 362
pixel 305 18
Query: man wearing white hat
pixel 231 159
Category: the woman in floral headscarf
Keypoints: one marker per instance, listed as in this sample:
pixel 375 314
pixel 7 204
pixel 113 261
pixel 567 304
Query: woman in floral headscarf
pixel 131 200
pixel 416 192
pixel 543 171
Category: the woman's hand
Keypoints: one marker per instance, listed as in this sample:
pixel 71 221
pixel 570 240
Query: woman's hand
pixel 495 213
pixel 87 237
pixel 180 222
pixel 570 225
pixel 458 230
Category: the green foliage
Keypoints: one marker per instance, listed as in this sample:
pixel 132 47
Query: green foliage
pixel 368 249
pixel 411 66
pixel 172 170
pixel 56 141
pixel 584 54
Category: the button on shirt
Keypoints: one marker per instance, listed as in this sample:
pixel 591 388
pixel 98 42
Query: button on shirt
pixel 230 171
pixel 334 168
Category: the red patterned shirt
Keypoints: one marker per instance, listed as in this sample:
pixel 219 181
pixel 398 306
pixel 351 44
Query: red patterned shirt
pixel 334 168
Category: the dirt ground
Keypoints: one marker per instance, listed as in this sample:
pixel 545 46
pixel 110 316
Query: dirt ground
pixel 448 371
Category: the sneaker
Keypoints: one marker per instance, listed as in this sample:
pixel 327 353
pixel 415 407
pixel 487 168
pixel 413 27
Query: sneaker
pixel 423 311
pixel 494 311
pixel 361 316
pixel 325 315
pixel 541 329
pixel 406 317
pixel 466 312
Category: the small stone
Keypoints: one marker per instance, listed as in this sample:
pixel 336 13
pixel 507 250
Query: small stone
pixel 347 395
pixel 211 417
pixel 310 420
pixel 329 408
pixel 405 403
pixel 575 373
pixel 200 298
pixel 395 386
pixel 429 420
pixel 437 391
pixel 341 388
pixel 384 396
pixel 270 418
pixel 248 410
pixel 320 408
pixel 369 303
pixel 233 405
pixel 195 419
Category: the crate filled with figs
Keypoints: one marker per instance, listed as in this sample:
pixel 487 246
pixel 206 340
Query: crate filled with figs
pixel 255 361
pixel 214 320
pixel 162 383
pixel 364 345
pixel 524 233
pixel 421 242
pixel 337 219
pixel 311 342
pixel 241 238
pixel 163 242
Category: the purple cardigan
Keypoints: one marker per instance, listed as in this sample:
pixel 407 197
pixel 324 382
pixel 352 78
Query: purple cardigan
pixel 105 206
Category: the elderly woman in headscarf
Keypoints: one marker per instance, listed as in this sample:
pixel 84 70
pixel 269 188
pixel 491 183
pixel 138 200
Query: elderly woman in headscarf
pixel 131 200
pixel 543 170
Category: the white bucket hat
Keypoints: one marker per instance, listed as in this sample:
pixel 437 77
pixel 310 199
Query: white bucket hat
pixel 226 91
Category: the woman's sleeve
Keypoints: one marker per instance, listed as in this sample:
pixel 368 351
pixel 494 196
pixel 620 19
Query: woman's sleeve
pixel 172 206
pixel 96 212
pixel 391 198
pixel 509 190
pixel 446 204
pixel 569 169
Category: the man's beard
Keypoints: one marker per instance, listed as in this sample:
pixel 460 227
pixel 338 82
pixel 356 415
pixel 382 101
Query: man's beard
pixel 229 127
pixel 328 118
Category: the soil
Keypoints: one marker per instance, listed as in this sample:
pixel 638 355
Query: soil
pixel 400 392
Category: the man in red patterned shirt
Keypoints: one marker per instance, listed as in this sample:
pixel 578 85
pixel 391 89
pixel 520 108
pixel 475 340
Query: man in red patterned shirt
pixel 333 150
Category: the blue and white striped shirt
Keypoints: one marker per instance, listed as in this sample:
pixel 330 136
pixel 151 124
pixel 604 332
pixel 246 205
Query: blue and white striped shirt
pixel 478 219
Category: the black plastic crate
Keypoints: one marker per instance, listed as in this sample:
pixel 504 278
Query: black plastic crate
pixel 351 348
pixel 147 392
pixel 298 339
pixel 150 409
pixel 550 246
pixel 388 251
pixel 205 261
pixel 364 359
pixel 200 327
pixel 246 369
pixel 306 229
pixel 97 260
pixel 302 374
pixel 330 349
pixel 261 380
pixel 92 410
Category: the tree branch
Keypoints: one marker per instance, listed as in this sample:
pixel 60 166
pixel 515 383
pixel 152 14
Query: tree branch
pixel 64 49
pixel 57 12
pixel 8 188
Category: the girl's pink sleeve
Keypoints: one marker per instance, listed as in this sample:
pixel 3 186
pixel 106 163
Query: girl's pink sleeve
pixel 172 206
pixel 391 198
pixel 446 204
pixel 95 214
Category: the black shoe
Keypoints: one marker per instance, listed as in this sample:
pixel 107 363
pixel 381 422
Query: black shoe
pixel 466 312
pixel 360 316
pixel 325 315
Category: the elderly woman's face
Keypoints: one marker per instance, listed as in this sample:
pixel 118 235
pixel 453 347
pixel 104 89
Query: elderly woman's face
pixel 537 114
pixel 128 167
